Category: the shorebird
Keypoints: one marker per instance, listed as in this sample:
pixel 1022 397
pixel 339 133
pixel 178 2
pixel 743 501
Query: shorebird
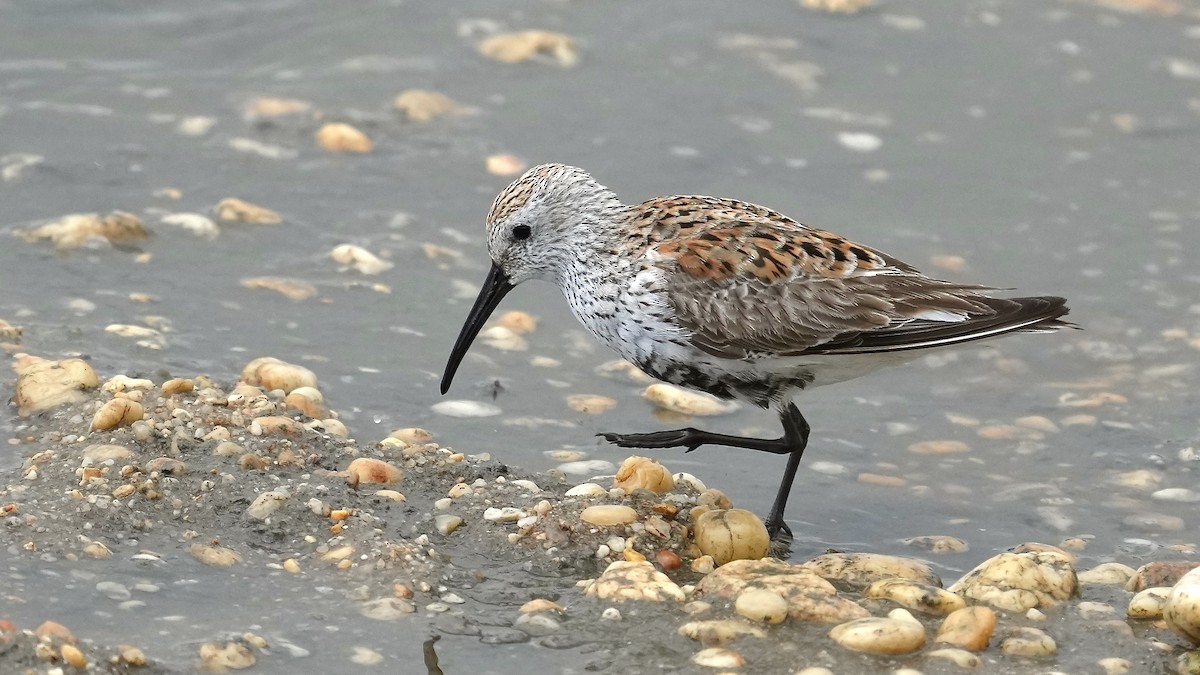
pixel 729 298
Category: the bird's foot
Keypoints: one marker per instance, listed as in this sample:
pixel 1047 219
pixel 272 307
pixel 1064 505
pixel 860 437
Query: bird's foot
pixel 778 530
pixel 676 438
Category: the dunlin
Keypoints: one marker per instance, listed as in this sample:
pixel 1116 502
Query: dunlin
pixel 729 298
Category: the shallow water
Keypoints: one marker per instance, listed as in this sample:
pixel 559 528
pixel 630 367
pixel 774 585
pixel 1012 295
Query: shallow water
pixel 1051 146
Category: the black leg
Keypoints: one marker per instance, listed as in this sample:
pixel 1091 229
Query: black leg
pixel 792 443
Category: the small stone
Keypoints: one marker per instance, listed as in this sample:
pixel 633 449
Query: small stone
pixel 1114 665
pixel 1154 522
pixel 460 408
pixel 1149 603
pixel 1028 642
pixel 117 412
pixel 624 580
pixel 860 142
pixel 446 523
pixel 1182 608
pixel 227 656
pixel 233 209
pixel 1182 495
pixel 372 471
pixel 168 466
pixel 719 631
pixel 1019 581
pixel 113 590
pixel 341 137
pixel 938 447
pixel 608 515
pixel 687 402
pixel 1159 573
pixel 421 105
pixel 386 609
pixel 916 596
pixel 291 566
pixel 541 605
pixel 178 385
pixel 859 570
pixel 668 559
pixel 365 656
pixel 878 635
pixel 131 655
pixel 587 490
pixel 1095 611
pixel 73 656
pixel 98 550
pixel 970 628
pixel 938 544
pixel 762 605
pixel 731 534
pixel 307 400
pixel 718 657
pixel 507 514
pixel 215 555
pixel 810 598
pixel 266 504
pixel 591 404
pixel 643 473
pixel 880 479
pixel 1107 573
pixel 523 46
pixel 959 657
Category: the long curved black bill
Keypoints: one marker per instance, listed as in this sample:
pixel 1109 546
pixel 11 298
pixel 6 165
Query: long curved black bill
pixel 495 287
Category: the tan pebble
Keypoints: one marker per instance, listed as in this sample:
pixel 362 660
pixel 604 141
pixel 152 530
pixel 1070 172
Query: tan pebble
pixel 1140 479
pixel 1073 544
pixel 518 47
pixel 215 555
pixel 412 435
pixel 131 655
pixel 1182 608
pixel 859 570
pixel 270 373
pixel 959 657
pixel 608 515
pixel 227 656
pixel 309 401
pixel 391 494
pixel 1028 642
pixel 124 491
pixel 643 473
pixel 541 605
pixel 97 550
pixel 293 289
pixel 962 420
pixel 121 383
pixel 226 448
pixel 402 590
pixel 73 656
pixel 667 559
pixel 504 165
pixel 680 400
pixel 714 498
pixel 938 447
pixel 179 385
pixel 360 259
pixel 166 465
pixel 270 106
pixel 291 566
pixel 1069 400
pixel 718 631
pixel 338 554
pixel 117 412
pixel 590 403
pixel 1038 423
pixel 54 630
pixel 624 580
pixel 938 543
pixel 731 534
pixel 96 454
pixel 718 657
pixel 74 230
pixel 1114 665
pixel 518 322
pixel 370 470
pixel 422 105
pixel 1006 432
pixel 915 595
pixel 339 514
pixel 703 564
pixel 879 479
pixel 233 209
pixel 1095 611
pixel 762 605
pixel 877 635
pixel 1019 581
pixel 341 137
pixel 1079 421
pixel 1148 604
pixel 253 462
pixel 459 490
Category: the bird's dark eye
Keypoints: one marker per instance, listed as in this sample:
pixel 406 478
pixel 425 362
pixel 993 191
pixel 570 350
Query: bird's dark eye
pixel 521 232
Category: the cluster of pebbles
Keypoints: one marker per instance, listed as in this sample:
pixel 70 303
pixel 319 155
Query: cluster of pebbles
pixel 169 458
